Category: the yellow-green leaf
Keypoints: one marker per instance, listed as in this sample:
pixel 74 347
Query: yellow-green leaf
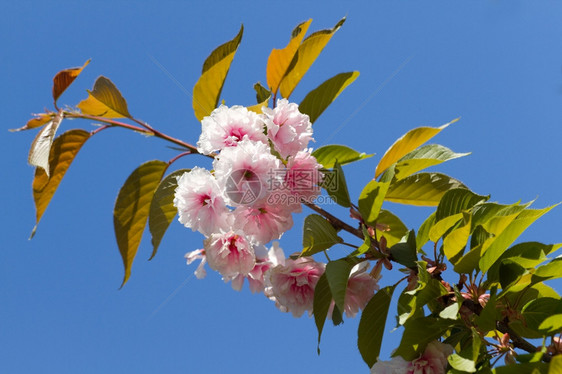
pixel 407 143
pixel 280 59
pixel 455 242
pixel 328 155
pixel 207 90
pixel 41 145
pixel 63 151
pixel 104 100
pixel 422 189
pixel 132 207
pixel 441 227
pixel 306 54
pixel 64 78
pixel 37 121
pixel 162 210
pixel 318 235
pixel 424 157
pixel 317 100
pixel 508 235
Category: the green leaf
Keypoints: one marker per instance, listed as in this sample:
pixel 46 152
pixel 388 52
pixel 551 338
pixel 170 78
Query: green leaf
pixel 328 155
pixel 321 305
pixel 395 228
pixel 62 153
pixel 528 368
pixel 517 299
pixel 104 100
pixel 450 312
pixel 322 96
pixel 466 360
pixel 442 227
pixel 262 93
pixel 551 270
pixel 372 325
pixel 469 262
pixel 423 232
pixel 457 200
pixel 372 197
pixel 538 311
pixel 555 366
pixel 338 190
pixel 207 90
pixel 318 235
pixel 551 324
pixel 455 242
pixel 307 52
pixel 337 273
pixel 423 189
pixel 280 59
pixel 405 252
pixel 132 207
pixel 162 210
pixel 509 235
pixel 509 273
pixel 427 290
pixel 407 143
pixel 486 321
pixel 528 255
pixel 424 157
pixel 418 332
pixel 337 318
pixel 40 150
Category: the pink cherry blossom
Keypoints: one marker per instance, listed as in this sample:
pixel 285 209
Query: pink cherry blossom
pixel 264 261
pixel 433 360
pixel 225 127
pixel 361 287
pixel 263 222
pixel 288 129
pixel 200 202
pixel 230 253
pixel 245 172
pixel 302 179
pixel 199 254
pixel 292 285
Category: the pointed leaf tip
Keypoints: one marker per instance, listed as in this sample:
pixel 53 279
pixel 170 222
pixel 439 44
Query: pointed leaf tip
pixel 64 78
pixel 132 208
pixel 207 90
pixel 317 100
pixel 280 59
pixel 307 52
pixel 407 143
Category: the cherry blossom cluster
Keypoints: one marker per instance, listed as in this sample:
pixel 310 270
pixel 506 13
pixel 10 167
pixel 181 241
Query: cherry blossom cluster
pixel 433 360
pixel 262 172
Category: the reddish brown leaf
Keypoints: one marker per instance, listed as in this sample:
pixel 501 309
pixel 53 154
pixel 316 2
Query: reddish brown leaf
pixel 64 78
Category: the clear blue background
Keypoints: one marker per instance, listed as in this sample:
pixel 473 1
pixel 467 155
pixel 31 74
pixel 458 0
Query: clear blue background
pixel 497 64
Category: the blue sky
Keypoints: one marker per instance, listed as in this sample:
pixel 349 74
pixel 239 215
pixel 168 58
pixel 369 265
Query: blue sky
pixel 496 64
